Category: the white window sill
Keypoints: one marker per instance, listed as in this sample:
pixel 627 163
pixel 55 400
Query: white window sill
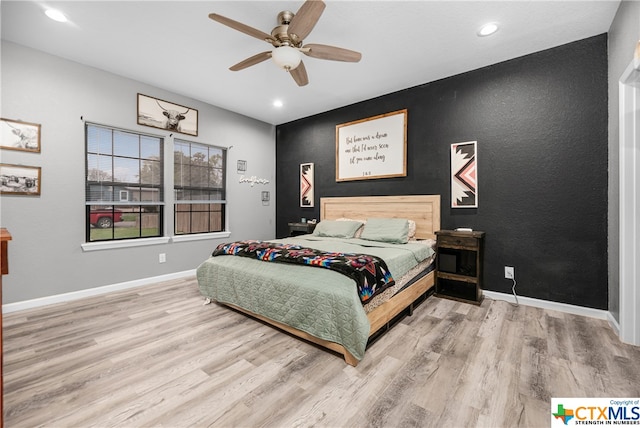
pixel 128 243
pixel 200 236
pixel 124 243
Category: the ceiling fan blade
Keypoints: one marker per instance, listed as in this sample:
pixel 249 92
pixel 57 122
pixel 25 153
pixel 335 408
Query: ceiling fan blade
pixel 299 74
pixel 332 53
pixel 306 18
pixel 241 27
pixel 257 58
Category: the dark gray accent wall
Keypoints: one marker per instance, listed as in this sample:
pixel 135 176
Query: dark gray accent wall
pixel 541 126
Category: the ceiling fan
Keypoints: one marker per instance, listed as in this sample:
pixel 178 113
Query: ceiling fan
pixel 287 41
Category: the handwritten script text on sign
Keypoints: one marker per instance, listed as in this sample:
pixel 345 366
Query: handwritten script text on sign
pixel 371 149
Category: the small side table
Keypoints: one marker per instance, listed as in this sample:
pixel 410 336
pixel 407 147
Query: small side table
pixel 296 229
pixel 459 265
pixel 5 237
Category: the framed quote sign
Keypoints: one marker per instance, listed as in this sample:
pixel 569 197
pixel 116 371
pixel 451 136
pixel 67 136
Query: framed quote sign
pixel 375 147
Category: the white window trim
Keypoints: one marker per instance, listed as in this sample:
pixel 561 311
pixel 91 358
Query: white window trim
pixel 629 200
pixel 140 242
pixel 200 236
pixel 124 243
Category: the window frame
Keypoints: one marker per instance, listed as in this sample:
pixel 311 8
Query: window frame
pixel 213 205
pixel 113 187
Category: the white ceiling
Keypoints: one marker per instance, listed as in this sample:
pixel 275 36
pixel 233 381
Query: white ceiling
pixel 175 46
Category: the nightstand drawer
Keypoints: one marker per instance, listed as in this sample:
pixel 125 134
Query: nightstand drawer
pixel 457 241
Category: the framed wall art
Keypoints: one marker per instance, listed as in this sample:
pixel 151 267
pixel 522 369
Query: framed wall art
pixel 19 135
pixel 306 185
pixel 265 197
pixel 19 180
pixel 241 166
pixel 464 175
pixel 162 114
pixel 375 147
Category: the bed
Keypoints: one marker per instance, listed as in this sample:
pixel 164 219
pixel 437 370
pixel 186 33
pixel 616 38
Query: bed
pixel 324 307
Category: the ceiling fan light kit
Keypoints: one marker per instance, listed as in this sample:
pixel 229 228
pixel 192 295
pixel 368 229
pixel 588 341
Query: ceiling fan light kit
pixel 286 57
pixel 287 39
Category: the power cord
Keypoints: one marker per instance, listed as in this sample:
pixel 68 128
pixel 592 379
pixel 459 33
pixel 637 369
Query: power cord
pixel 513 290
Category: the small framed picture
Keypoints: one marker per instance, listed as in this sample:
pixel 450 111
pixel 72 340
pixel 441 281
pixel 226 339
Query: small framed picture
pixel 162 114
pixel 19 180
pixel 306 185
pixel 265 196
pixel 464 175
pixel 242 166
pixel 18 135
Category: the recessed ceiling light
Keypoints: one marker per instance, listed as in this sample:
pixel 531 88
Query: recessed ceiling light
pixel 56 15
pixel 488 29
pixel 277 103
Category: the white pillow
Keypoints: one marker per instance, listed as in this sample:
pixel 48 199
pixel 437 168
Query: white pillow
pixel 412 229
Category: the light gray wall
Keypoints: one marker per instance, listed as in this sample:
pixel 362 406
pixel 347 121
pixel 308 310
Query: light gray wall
pixel 623 36
pixel 45 255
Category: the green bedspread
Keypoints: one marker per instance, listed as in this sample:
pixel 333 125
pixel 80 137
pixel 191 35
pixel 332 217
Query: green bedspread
pixel 320 302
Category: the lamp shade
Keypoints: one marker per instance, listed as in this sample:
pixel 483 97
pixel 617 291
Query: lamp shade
pixel 286 57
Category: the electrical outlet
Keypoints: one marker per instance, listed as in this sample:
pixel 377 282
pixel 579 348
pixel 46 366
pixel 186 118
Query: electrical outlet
pixel 162 258
pixel 509 272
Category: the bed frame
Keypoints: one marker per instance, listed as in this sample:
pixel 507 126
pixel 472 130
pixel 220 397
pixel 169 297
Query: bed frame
pixel 423 209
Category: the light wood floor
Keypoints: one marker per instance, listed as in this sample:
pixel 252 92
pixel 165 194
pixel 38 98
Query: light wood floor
pixel 155 356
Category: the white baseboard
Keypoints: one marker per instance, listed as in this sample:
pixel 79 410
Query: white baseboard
pixel 613 323
pixel 555 306
pixel 75 295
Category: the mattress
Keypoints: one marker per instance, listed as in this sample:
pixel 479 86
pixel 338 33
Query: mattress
pixel 317 301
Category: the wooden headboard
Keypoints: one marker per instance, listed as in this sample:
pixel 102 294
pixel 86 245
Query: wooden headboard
pixel 423 209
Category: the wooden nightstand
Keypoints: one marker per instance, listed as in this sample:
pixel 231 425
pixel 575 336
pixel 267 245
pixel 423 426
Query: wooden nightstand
pixel 459 265
pixel 5 237
pixel 301 228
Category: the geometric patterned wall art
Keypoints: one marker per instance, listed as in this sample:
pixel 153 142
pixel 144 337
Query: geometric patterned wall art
pixel 306 185
pixel 464 175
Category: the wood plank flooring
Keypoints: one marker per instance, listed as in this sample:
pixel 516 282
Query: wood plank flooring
pixel 156 356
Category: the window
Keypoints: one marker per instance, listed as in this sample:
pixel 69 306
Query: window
pixel 199 187
pixel 124 192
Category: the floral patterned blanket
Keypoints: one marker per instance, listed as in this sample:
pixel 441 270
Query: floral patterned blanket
pixel 369 272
